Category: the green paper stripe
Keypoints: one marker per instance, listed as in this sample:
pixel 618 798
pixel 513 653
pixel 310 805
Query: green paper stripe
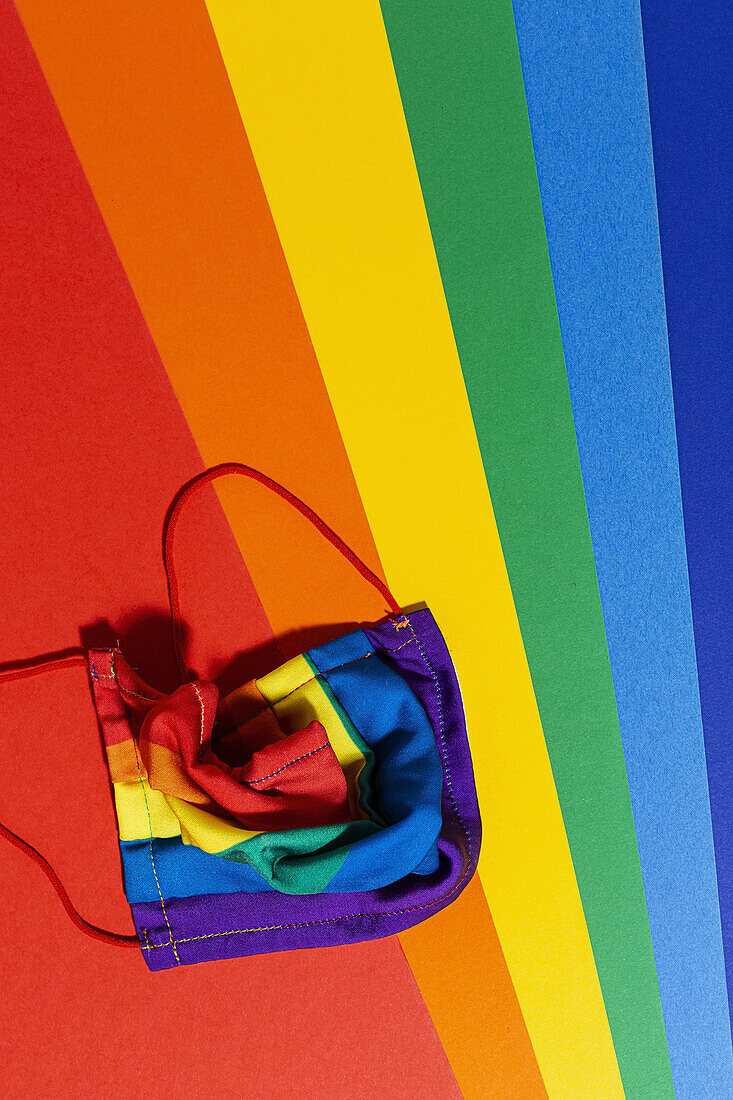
pixel 460 79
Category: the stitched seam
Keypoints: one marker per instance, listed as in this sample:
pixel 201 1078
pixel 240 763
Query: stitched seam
pixel 126 691
pixel 147 941
pixel 201 704
pixel 326 920
pixel 249 782
pixel 444 754
pixel 201 732
pixel 152 861
pixel 152 856
pixel 271 706
pixel 318 675
pixel 391 912
pixel 323 672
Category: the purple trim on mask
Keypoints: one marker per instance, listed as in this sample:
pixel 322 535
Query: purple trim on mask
pixel 220 926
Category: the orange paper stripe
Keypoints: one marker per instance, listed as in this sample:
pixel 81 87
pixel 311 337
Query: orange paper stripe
pixel 94 446
pixel 146 100
pixel 480 1021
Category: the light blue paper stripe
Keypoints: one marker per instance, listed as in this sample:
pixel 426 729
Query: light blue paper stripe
pixel 583 68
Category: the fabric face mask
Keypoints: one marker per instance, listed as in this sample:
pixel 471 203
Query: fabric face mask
pixel 328 802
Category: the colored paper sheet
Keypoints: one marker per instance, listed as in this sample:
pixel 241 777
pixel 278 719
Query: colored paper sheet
pixel 499 1067
pixel 473 151
pixel 93 447
pixel 334 156
pixel 586 93
pixel 690 83
pixel 165 153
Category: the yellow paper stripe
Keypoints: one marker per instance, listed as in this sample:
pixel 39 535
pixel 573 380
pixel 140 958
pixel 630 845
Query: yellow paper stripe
pixel 319 100
pixel 298 698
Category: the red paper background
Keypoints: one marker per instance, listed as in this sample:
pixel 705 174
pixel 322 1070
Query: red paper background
pixel 94 447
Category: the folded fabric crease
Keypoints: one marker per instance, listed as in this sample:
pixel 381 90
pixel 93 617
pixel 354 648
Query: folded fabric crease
pixel 330 801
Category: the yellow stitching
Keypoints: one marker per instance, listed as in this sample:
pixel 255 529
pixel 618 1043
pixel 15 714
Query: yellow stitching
pixel 324 672
pixel 152 858
pixel 127 691
pixel 326 920
pixel 393 912
pixel 113 676
pixel 135 694
pixel 150 823
pixel 201 704
pixel 384 649
pixel 124 690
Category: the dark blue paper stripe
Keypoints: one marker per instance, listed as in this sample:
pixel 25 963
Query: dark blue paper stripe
pixel 583 67
pixel 689 59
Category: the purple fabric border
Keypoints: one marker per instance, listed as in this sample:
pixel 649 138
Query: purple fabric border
pixel 221 926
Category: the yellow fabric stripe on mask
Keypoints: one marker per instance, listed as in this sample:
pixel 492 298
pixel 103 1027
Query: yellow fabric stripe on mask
pixel 320 104
pixel 207 831
pixel 297 698
pixel 143 812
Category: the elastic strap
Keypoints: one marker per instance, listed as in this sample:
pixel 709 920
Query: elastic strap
pixel 113 938
pixel 77 659
pixel 247 471
pixel 47 664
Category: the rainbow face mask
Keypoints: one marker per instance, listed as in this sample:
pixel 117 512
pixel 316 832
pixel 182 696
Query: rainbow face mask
pixel 328 802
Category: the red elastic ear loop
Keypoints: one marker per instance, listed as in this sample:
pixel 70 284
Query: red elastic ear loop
pixel 113 938
pixel 247 471
pixel 79 659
